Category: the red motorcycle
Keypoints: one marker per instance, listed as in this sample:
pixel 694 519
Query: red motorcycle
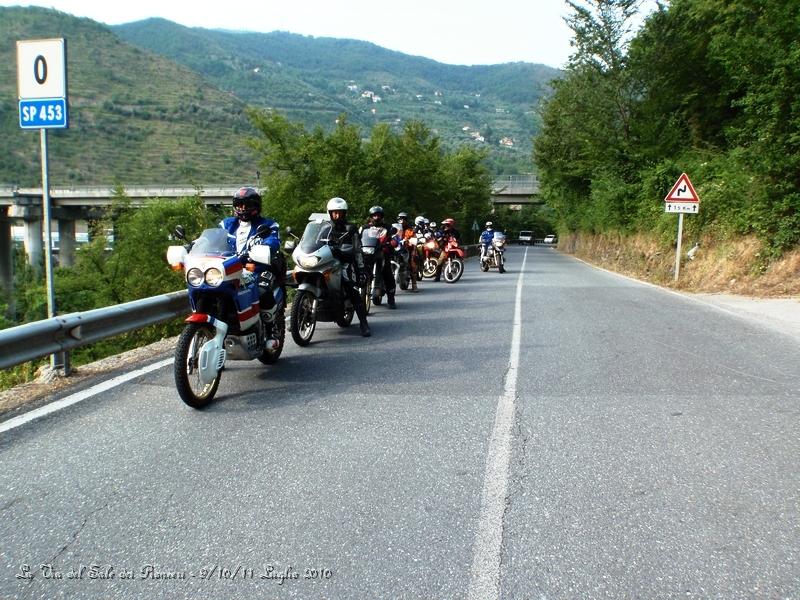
pixel 453 267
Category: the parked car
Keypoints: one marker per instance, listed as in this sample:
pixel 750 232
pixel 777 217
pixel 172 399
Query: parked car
pixel 549 239
pixel 525 238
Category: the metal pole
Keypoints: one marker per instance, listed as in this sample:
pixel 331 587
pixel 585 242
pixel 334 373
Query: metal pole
pixel 57 360
pixel 678 251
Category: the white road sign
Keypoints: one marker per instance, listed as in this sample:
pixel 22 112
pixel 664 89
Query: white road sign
pixel 682 207
pixel 41 69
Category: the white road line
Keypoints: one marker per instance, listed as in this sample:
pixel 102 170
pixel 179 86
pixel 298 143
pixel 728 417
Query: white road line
pixel 80 396
pixel 485 575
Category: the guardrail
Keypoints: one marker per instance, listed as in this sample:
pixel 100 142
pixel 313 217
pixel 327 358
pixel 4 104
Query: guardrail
pixel 66 332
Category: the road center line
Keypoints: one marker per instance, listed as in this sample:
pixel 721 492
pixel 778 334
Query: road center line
pixel 485 575
pixel 80 396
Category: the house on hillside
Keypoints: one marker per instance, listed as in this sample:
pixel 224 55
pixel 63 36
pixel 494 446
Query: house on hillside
pixel 506 141
pixel 352 87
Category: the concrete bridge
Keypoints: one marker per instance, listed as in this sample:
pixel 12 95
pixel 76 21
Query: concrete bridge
pixel 23 207
pixel 515 190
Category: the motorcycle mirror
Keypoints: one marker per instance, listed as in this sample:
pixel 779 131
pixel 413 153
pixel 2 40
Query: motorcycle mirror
pixel 288 229
pixel 179 232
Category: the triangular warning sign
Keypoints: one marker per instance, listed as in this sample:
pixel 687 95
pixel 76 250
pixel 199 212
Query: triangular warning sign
pixel 682 191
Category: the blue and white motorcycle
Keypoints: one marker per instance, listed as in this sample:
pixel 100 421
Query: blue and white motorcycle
pixel 226 321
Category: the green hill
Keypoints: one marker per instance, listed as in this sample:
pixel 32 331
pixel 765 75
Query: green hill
pixel 134 117
pixel 312 80
pixel 154 101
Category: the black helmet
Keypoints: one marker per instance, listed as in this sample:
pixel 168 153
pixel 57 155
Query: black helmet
pixel 246 203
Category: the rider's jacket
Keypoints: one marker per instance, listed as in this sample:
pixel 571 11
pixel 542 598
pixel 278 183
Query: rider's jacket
pixel 451 233
pixel 352 254
pixel 239 232
pixel 486 237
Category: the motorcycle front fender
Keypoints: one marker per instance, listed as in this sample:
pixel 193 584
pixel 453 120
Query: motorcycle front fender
pixel 311 288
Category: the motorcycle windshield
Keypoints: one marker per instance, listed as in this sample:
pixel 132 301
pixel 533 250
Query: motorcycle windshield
pixel 499 236
pixel 315 236
pixel 370 237
pixel 212 241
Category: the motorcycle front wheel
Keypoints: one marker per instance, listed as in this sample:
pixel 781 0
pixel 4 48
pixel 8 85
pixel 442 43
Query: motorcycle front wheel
pixel 366 297
pixel 500 263
pixel 192 391
pixel 303 321
pixel 429 268
pixel 453 270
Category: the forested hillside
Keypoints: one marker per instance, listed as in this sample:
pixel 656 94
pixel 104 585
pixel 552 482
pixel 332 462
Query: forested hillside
pixel 134 117
pixel 312 80
pixel 707 87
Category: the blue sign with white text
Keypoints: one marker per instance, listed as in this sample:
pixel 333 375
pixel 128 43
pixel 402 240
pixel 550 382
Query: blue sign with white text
pixel 43 113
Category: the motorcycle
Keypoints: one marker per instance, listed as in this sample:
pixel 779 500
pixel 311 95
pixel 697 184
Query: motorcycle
pixel 371 251
pixel 400 260
pixel 227 322
pixel 453 267
pixel 431 250
pixel 320 295
pixel 493 256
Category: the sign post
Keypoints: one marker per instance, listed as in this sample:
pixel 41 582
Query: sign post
pixel 42 93
pixel 681 199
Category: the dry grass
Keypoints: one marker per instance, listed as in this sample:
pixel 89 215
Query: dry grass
pixel 734 266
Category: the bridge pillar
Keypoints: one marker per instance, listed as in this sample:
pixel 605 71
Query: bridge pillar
pixel 66 242
pixel 31 216
pixel 6 258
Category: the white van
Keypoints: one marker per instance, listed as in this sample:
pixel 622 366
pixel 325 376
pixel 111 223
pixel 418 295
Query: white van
pixel 525 238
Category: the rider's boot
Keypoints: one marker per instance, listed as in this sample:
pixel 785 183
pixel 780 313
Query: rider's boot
pixel 361 312
pixel 390 300
pixel 414 287
pixel 268 320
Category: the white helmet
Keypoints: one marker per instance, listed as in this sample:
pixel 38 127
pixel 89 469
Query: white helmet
pixel 336 204
pixel 419 220
pixel 488 224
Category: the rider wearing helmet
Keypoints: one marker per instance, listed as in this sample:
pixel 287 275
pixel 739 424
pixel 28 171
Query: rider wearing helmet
pixel 486 238
pixel 387 283
pixel 337 211
pixel 406 233
pixel 246 219
pixel 241 228
pixel 448 231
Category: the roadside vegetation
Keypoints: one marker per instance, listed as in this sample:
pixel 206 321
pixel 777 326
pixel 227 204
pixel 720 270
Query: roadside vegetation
pixel 706 87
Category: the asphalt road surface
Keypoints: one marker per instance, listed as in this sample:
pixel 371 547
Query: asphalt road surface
pixel 552 432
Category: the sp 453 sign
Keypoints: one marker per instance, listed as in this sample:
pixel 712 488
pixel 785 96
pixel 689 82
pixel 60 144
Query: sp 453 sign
pixel 47 113
pixel 42 83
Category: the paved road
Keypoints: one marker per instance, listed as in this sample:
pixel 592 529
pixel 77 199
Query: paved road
pixel 652 453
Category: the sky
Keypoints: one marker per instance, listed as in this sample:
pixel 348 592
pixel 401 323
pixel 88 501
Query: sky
pixel 463 32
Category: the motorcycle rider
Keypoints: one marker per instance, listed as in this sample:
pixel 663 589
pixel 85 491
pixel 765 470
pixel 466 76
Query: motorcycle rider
pixel 337 211
pixel 386 245
pixel 486 239
pixel 406 233
pixel 241 228
pixel 448 232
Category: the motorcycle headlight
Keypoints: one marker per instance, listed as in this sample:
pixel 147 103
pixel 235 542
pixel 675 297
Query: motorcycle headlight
pixel 194 277
pixel 308 262
pixel 214 277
